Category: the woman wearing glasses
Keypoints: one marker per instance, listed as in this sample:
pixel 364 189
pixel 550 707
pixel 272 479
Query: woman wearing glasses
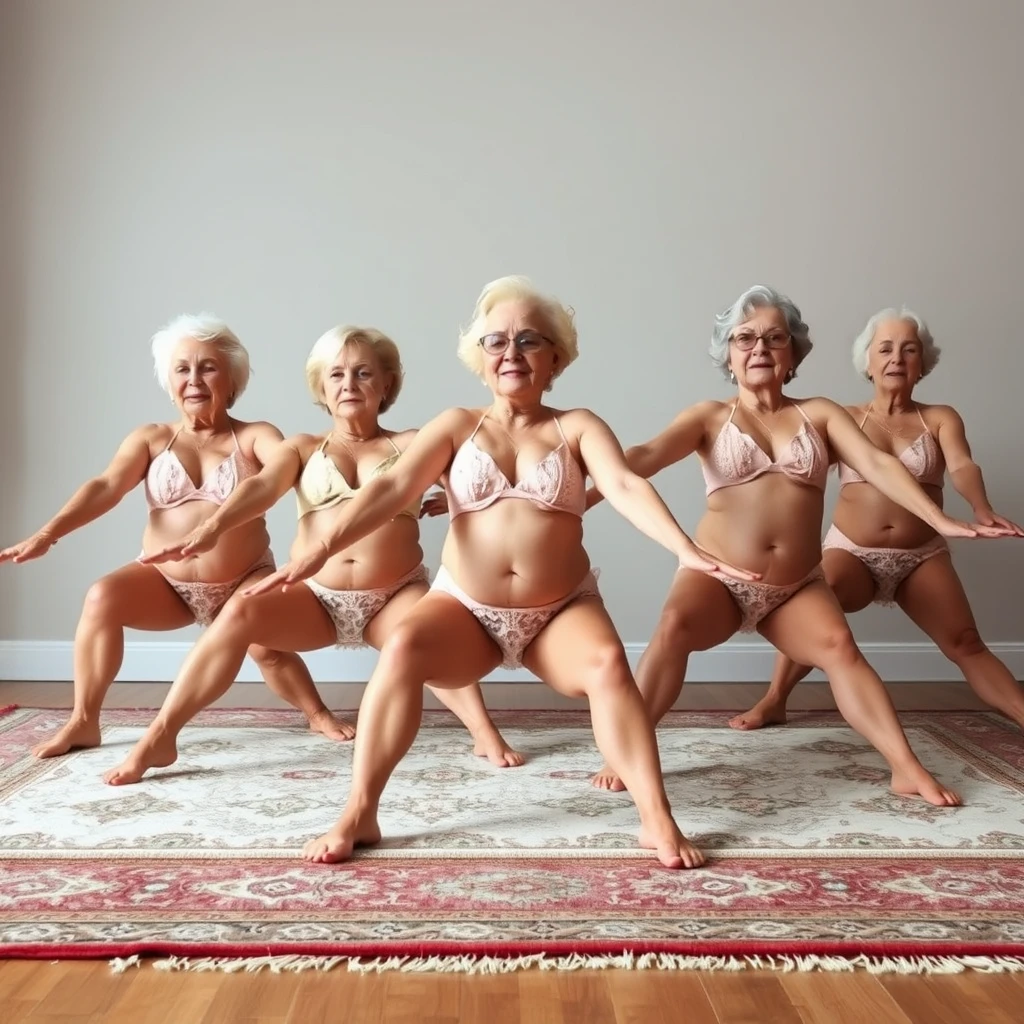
pixel 875 549
pixel 358 597
pixel 765 458
pixel 516 587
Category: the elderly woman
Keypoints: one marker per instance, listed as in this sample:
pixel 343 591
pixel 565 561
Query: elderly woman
pixel 358 597
pixel 765 459
pixel 188 468
pixel 516 587
pixel 875 549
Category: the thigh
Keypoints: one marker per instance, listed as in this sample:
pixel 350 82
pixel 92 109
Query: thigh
pixel 934 599
pixel 440 640
pixel 699 611
pixel 564 652
pixel 139 597
pixel 380 627
pixel 808 626
pixel 282 620
pixel 850 579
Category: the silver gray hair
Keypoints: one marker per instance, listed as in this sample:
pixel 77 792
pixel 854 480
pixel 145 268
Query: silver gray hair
pixel 207 328
pixel 929 350
pixel 759 297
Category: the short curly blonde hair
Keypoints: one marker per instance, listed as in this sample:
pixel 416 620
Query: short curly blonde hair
pixel 559 318
pixel 326 348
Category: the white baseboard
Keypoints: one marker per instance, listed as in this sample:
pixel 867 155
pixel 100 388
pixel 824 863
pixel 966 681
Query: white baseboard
pixel 737 662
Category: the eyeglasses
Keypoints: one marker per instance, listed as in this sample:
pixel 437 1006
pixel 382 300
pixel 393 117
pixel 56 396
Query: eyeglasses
pixel 524 341
pixel 746 340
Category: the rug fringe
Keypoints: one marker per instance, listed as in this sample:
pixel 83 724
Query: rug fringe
pixel 579 961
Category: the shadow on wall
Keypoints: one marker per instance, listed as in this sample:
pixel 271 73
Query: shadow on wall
pixel 13 295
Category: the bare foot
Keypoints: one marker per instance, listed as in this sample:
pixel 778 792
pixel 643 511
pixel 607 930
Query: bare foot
pixel 673 848
pixel 351 830
pixel 492 745
pixel 76 734
pixel 156 749
pixel 607 779
pixel 766 711
pixel 915 781
pixel 327 724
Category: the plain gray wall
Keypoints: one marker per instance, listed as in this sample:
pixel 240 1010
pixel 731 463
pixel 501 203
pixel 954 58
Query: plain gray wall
pixel 317 162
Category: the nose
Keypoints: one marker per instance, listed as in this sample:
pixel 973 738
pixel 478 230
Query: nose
pixel 760 345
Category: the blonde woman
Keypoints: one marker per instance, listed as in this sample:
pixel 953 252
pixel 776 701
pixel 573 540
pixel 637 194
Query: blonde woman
pixel 516 586
pixel 359 596
pixel 188 468
pixel 878 551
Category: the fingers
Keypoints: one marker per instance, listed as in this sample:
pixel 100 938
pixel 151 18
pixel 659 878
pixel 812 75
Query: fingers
pixel 174 553
pixel 737 573
pixel 269 583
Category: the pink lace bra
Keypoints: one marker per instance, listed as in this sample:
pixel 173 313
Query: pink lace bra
pixel 736 458
pixel 475 482
pixel 922 457
pixel 169 485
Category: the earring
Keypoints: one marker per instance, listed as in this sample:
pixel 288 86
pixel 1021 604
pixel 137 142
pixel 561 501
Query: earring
pixel 732 376
pixel 790 374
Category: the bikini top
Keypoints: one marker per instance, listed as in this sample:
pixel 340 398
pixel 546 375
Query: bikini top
pixel 322 485
pixel 555 483
pixel 736 458
pixel 168 485
pixel 922 457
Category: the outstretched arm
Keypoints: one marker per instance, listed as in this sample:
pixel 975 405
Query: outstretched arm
pixel 93 499
pixel 681 438
pixel 966 473
pixel 282 464
pixel 381 499
pixel 635 499
pixel 891 477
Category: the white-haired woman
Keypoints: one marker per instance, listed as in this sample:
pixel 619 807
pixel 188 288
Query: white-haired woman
pixel 188 467
pixel 358 597
pixel 765 459
pixel 515 587
pixel 878 551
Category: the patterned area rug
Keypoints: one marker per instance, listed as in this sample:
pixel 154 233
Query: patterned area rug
pixel 811 855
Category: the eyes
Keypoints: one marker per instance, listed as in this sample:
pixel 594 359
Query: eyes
pixel 183 369
pixel 362 374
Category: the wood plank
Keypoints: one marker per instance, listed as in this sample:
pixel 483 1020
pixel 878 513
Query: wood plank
pixel 823 997
pixel 659 997
pixel 749 997
pixel 947 999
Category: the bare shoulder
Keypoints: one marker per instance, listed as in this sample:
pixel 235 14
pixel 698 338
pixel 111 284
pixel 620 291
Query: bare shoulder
pixel 256 428
pixel 938 414
pixel 305 444
pixel 153 435
pixel 821 407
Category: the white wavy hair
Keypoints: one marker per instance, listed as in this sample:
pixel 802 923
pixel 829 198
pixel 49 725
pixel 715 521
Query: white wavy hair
pixel 759 297
pixel 207 328
pixel 559 319
pixel 930 352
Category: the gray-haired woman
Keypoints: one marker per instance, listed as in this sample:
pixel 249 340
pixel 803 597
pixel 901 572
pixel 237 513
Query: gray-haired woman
pixel 878 551
pixel 765 459
pixel 188 467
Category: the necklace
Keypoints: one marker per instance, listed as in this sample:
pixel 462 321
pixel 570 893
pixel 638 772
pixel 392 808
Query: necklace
pixel 355 440
pixel 199 443
pixel 764 426
pixel 899 433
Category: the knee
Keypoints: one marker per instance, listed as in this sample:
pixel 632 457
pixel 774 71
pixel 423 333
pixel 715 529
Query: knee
pixel 265 658
pixel 606 668
pixel 102 600
pixel 675 629
pixel 407 651
pixel 838 647
pixel 962 644
pixel 239 618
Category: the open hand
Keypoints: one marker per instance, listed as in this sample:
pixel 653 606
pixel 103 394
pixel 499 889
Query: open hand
pixel 292 572
pixel 699 560
pixel 34 547
pixel 203 538
pixel 990 518
pixel 950 527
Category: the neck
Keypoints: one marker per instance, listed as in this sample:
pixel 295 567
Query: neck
pixel 206 423
pixel 892 402
pixel 515 412
pixel 357 428
pixel 762 399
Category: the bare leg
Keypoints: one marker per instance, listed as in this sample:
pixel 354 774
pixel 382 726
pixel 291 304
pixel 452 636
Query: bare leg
pixel 438 639
pixel 134 596
pixel 933 596
pixel 699 613
pixel 286 674
pixel 465 702
pixel 579 654
pixel 292 619
pixel 811 629
pixel 854 588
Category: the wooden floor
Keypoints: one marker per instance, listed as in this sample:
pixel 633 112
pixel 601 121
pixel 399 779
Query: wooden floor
pixel 42 992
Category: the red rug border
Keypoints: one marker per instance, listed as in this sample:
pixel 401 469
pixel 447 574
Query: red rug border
pixel 363 951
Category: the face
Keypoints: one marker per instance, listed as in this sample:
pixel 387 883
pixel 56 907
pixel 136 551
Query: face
pixel 355 383
pixel 519 369
pixel 896 355
pixel 760 349
pixel 200 378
